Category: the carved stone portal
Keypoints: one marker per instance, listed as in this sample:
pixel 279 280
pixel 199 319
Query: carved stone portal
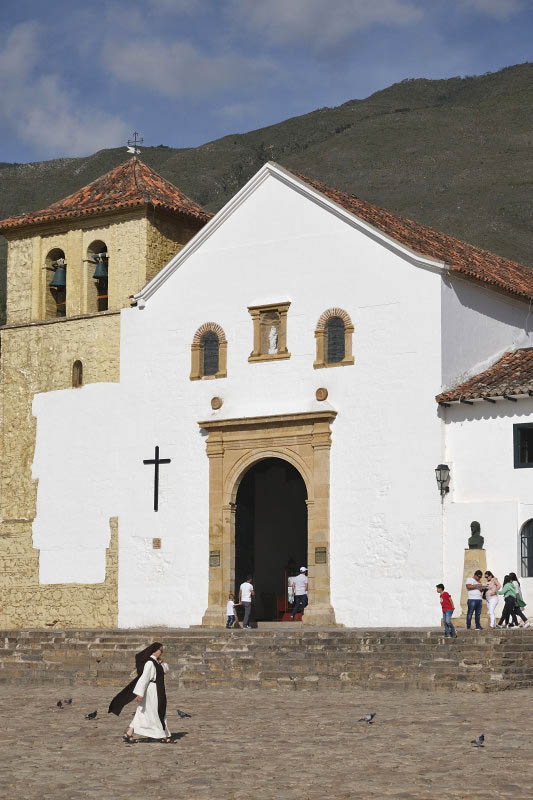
pixel 233 446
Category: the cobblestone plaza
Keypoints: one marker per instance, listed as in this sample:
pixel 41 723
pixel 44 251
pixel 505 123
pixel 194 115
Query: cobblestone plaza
pixel 300 745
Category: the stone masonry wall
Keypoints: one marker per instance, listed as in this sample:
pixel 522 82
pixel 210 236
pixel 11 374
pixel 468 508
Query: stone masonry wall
pixel 39 358
pixel 166 236
pixel 139 244
pixel 19 279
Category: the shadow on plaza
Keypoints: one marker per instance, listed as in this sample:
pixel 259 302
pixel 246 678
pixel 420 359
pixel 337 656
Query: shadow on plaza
pixel 174 737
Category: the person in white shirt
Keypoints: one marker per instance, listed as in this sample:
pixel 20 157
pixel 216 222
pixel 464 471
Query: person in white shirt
pixel 300 588
pixel 474 599
pixel 246 592
pixel 230 610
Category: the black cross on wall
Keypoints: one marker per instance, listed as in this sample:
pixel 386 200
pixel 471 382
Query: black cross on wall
pixel 156 462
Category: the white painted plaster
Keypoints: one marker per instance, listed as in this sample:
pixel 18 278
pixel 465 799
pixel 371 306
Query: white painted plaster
pixel 479 325
pixel 486 487
pixel 77 465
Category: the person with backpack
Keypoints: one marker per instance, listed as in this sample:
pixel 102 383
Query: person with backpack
pixel 519 605
pixel 509 593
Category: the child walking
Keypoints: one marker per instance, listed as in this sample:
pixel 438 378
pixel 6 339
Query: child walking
pixel 230 610
pixel 447 611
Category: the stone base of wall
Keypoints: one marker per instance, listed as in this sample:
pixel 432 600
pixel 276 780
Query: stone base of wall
pixel 25 602
pixel 346 659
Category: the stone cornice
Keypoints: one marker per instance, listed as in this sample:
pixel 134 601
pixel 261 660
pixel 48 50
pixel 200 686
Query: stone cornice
pixel 327 415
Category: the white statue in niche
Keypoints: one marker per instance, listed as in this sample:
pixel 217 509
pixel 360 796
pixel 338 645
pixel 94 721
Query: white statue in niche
pixel 273 340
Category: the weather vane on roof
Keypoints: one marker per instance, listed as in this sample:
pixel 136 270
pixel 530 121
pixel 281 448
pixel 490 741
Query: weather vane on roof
pixel 134 142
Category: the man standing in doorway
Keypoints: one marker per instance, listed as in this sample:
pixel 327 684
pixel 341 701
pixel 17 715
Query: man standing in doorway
pixel 246 592
pixel 473 591
pixel 299 587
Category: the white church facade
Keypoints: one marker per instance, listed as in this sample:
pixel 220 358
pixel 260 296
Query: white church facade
pixel 282 372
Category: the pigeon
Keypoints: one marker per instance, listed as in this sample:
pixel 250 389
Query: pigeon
pixel 479 741
pixel 59 704
pixel 68 702
pixel 91 716
pixel 367 718
pixel 183 714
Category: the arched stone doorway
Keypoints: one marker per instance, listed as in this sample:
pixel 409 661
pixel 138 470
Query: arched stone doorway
pixel 270 532
pixel 234 446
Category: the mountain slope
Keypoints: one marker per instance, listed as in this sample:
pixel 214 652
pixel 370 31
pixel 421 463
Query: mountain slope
pixel 454 154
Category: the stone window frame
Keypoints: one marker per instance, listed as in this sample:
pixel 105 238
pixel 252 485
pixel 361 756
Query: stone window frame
pixel 320 336
pixel 258 314
pixel 196 352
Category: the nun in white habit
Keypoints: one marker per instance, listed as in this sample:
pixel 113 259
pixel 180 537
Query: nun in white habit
pixel 148 690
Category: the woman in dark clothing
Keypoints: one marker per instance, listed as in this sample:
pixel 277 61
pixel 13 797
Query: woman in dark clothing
pixel 509 593
pixel 519 600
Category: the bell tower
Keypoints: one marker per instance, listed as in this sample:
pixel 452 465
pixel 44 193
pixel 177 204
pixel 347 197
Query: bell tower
pixel 71 268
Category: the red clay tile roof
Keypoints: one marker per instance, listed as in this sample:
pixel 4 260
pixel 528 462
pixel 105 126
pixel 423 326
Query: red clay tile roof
pixel 129 185
pixel 511 375
pixel 466 259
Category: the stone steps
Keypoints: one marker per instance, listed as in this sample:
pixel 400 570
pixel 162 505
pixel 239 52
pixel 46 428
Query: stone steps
pixel 285 658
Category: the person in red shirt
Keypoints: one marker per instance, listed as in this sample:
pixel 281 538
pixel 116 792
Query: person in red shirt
pixel 447 611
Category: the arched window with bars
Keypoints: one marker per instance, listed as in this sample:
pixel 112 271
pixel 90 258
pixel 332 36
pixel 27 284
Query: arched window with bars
pixel 77 374
pixel 209 347
pixel 208 352
pixel 334 340
pixel 526 549
pixel 333 334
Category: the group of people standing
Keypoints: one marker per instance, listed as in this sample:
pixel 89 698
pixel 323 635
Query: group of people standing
pixel 513 605
pixel 490 591
pixel 298 597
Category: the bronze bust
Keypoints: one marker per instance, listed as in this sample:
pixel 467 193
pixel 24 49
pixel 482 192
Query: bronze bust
pixel 476 540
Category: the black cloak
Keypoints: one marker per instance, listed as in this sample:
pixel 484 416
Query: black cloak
pixel 126 695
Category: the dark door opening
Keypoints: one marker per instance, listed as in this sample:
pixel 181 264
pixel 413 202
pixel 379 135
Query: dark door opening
pixel 270 532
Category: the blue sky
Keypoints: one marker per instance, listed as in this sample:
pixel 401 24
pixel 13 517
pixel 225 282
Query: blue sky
pixel 77 77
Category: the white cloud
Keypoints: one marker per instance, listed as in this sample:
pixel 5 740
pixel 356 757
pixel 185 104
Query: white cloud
pixel 500 9
pixel 179 69
pixel 41 110
pixel 319 23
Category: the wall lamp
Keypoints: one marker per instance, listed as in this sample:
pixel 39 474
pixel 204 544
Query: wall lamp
pixel 442 474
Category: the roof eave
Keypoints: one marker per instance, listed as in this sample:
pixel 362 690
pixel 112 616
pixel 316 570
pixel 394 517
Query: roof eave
pixel 101 211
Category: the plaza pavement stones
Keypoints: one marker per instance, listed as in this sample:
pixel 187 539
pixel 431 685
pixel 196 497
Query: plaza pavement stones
pixel 301 659
pixel 242 744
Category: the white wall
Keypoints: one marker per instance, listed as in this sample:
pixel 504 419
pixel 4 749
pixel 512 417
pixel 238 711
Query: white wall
pixel 76 464
pixel 486 487
pixel 386 542
pixel 478 326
